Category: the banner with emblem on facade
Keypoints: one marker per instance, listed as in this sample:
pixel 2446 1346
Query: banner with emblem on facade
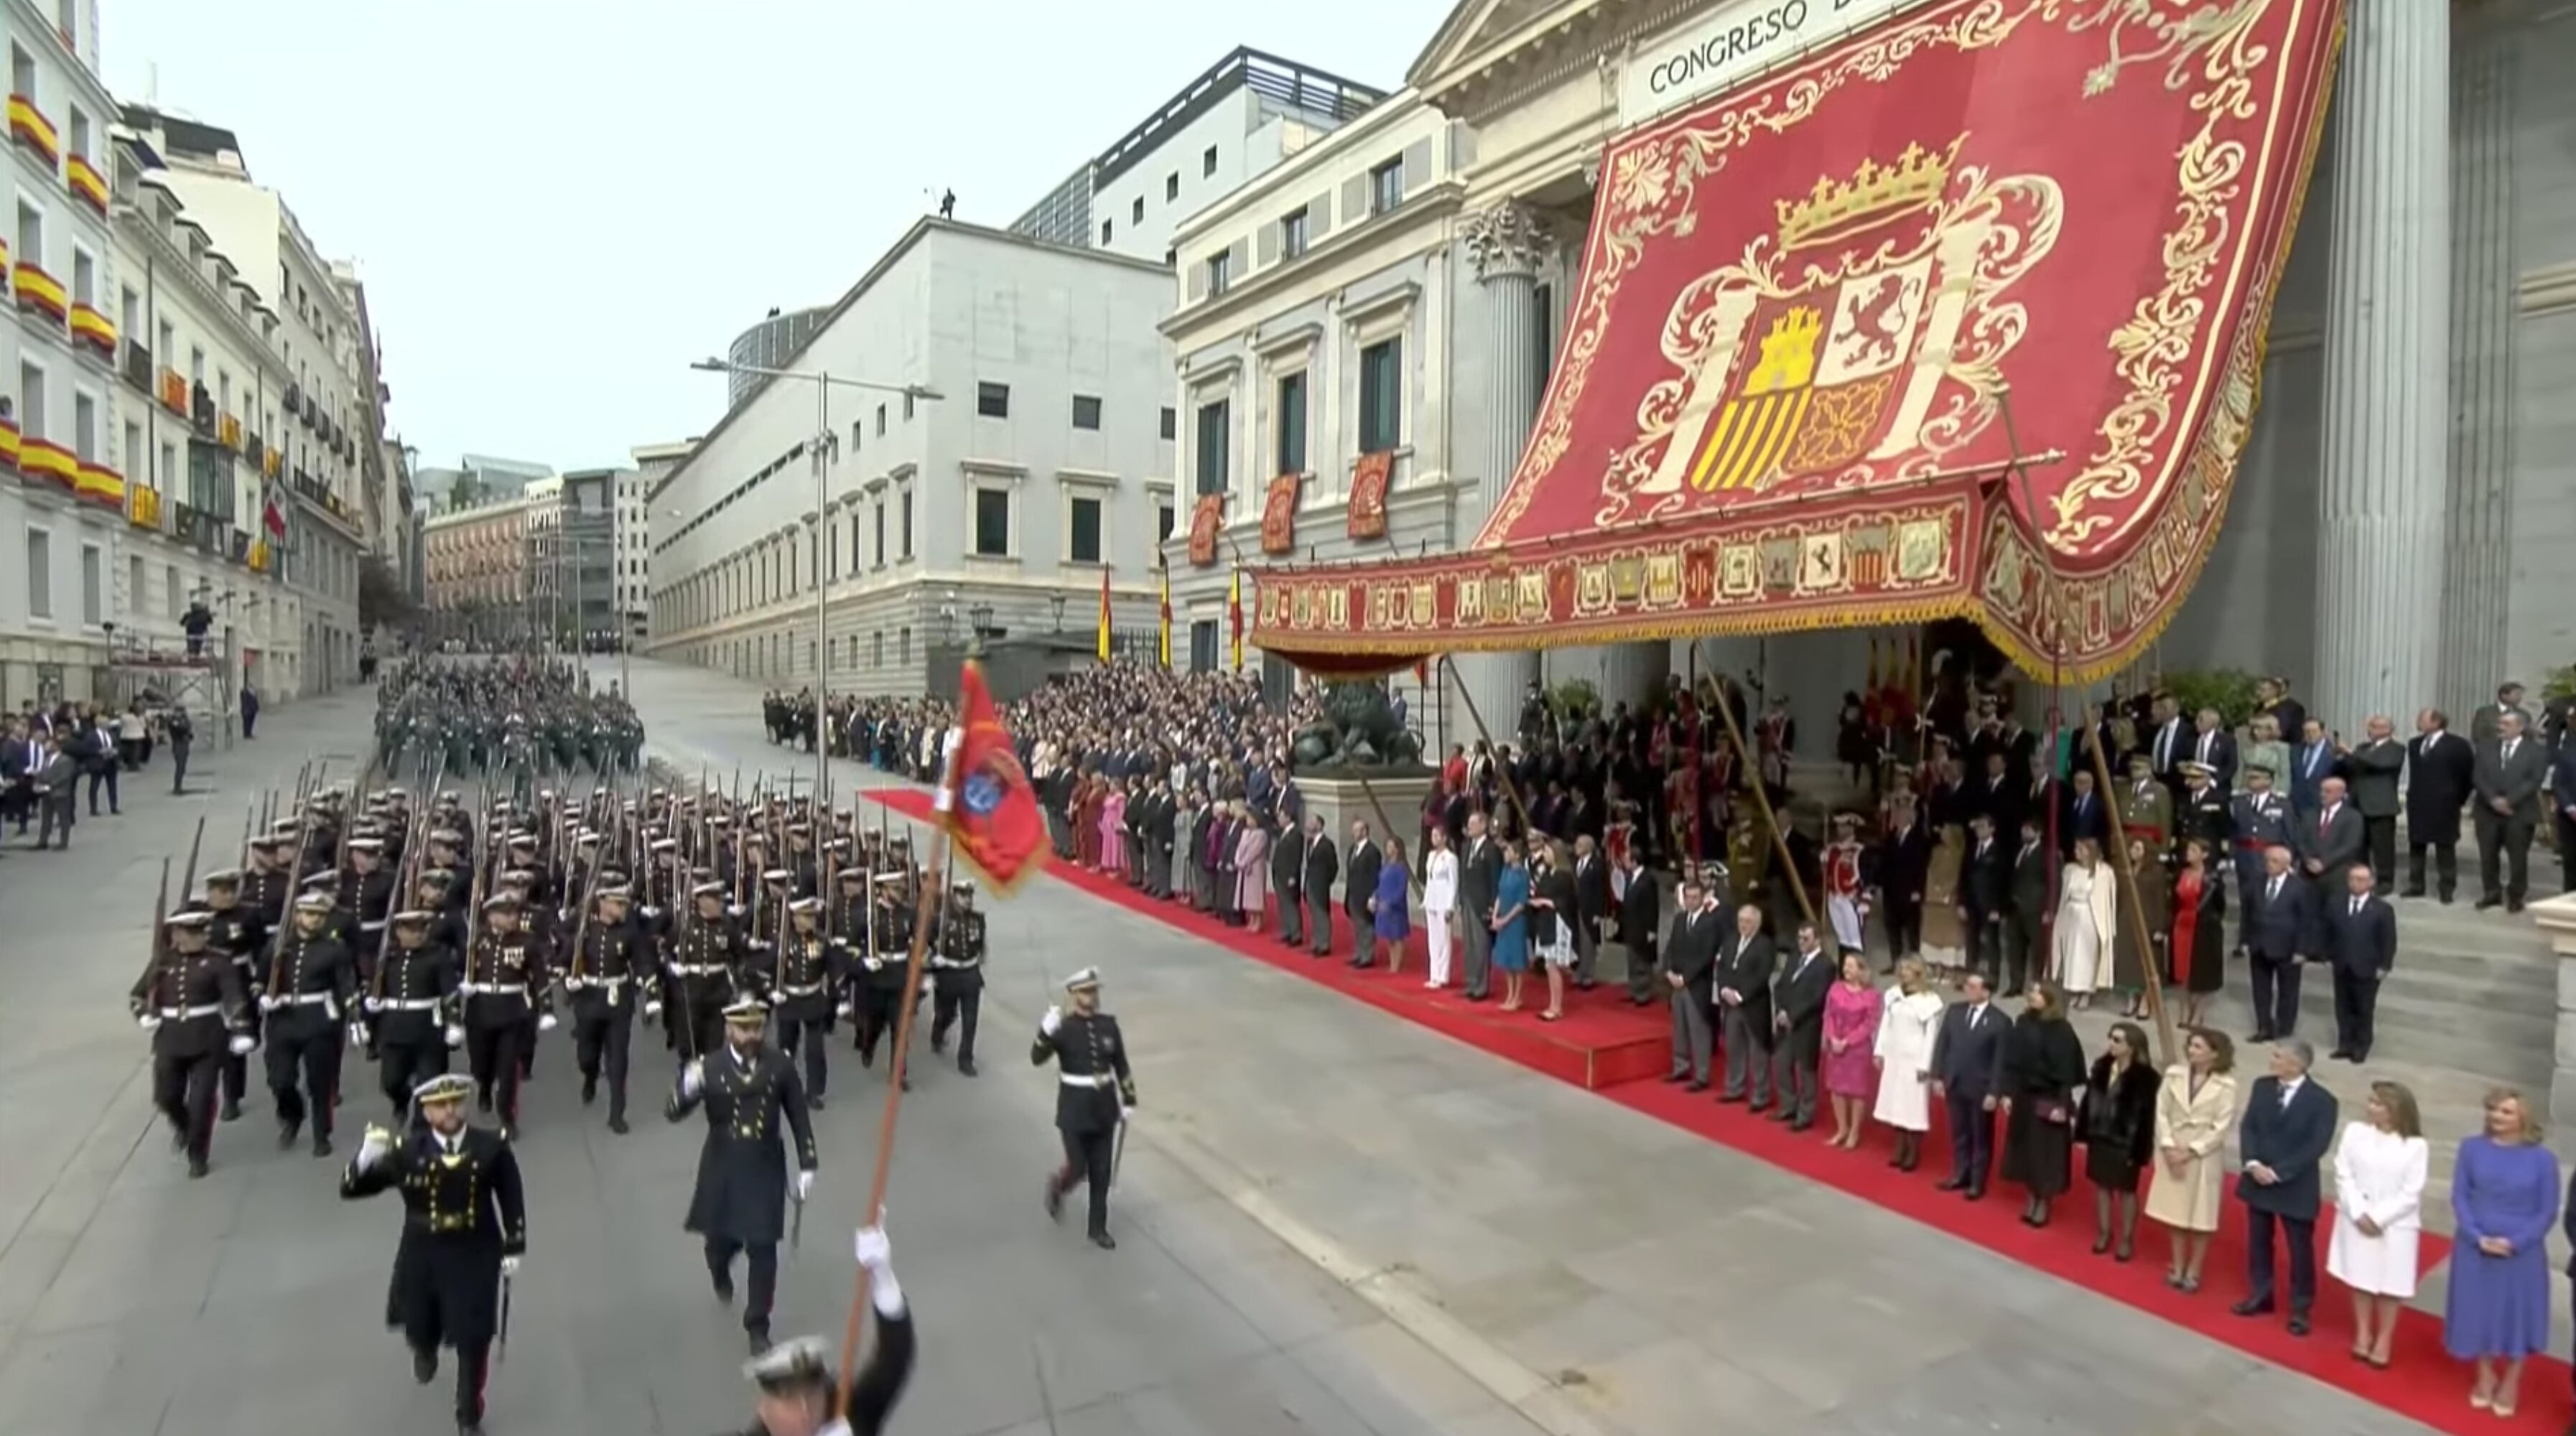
pixel 1959 315
pixel 1279 514
pixel 1368 495
pixel 1207 519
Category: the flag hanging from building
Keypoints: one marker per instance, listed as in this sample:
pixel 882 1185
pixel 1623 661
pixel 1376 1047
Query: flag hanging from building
pixel 271 517
pixel 1104 616
pixel 985 800
pixel 1234 616
pixel 1167 614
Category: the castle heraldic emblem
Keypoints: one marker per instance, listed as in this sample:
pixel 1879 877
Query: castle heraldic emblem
pixel 1830 353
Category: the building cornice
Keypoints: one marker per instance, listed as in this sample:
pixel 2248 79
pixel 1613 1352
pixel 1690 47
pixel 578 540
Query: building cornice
pixel 2548 291
pixel 166 255
pixel 1416 226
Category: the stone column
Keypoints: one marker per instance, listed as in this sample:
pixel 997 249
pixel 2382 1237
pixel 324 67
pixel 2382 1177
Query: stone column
pixel 1506 243
pixel 2479 557
pixel 2383 495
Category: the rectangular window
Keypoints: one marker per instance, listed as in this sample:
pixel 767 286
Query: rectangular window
pixel 137 597
pixel 1163 520
pixel 1203 645
pixel 1083 545
pixel 196 364
pixel 992 523
pixel 1086 411
pixel 1220 271
pixel 1104 231
pixel 1207 163
pixel 31 232
pixel 169 347
pixel 1171 423
pixel 880 520
pixel 1136 211
pixel 1292 234
pixel 1172 185
pixel 84 279
pixel 906 534
pixel 93 580
pixel 40 574
pixel 77 132
pixel 903 645
pixel 993 401
pixel 907 408
pixel 169 473
pixel 876 649
pixel 31 402
pixel 170 594
pixel 22 73
pixel 1292 424
pixel 1386 186
pixel 1382 396
pixel 880 421
pixel 1213 432
pixel 131 455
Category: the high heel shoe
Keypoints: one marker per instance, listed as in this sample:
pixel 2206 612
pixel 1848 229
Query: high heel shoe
pixel 2101 1241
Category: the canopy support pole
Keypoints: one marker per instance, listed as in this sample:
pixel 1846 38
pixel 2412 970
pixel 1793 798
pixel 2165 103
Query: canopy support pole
pixel 1752 767
pixel 1501 770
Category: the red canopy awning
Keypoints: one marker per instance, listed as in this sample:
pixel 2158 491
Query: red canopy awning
pixel 1781 398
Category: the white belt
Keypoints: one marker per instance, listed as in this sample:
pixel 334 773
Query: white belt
pixel 581 982
pixel 806 991
pixel 704 969
pixel 1070 1080
pixel 377 926
pixel 415 1004
pixel 310 999
pixel 191 1014
pixel 511 990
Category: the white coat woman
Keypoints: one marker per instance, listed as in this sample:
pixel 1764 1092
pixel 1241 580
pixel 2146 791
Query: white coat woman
pixel 1907 1022
pixel 1439 903
pixel 2087 906
pixel 2379 1170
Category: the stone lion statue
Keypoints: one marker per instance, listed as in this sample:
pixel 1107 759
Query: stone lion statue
pixel 1359 729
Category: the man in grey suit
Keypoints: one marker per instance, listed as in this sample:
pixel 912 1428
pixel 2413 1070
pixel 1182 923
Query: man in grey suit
pixel 1480 878
pixel 2373 769
pixel 2507 779
pixel 1690 956
pixel 2331 841
pixel 1743 982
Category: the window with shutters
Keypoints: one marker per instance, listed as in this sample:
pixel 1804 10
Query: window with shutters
pixel 1382 396
pixel 1220 271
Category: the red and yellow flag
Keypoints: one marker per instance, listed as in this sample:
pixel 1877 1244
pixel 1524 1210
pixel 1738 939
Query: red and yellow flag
pixel 985 800
pixel 1104 615
pixel 1167 617
pixel 1234 617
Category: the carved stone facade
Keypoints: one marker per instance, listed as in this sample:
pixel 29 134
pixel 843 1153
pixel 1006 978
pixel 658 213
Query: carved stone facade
pixel 1508 240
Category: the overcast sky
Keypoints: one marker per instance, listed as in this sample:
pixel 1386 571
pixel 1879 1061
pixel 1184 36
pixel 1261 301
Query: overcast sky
pixel 557 204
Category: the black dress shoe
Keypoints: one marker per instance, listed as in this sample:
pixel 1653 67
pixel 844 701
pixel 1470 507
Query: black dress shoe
pixel 618 1125
pixel 196 1167
pixel 814 1100
pixel 2487 902
pixel 1104 1241
pixel 2252 1306
pixel 1976 1191
pixel 589 1090
pixel 1950 1184
pixel 2260 1037
pixel 724 1287
pixel 321 1144
pixel 965 1066
pixel 757 1338
pixel 2413 892
pixel 286 1135
pixel 1800 1124
pixel 232 1110
pixel 1697 1086
pixel 424 1366
pixel 2299 1324
pixel 1730 1097
pixel 1677 1076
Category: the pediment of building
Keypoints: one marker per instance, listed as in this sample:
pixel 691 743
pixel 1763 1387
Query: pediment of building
pixel 1489 50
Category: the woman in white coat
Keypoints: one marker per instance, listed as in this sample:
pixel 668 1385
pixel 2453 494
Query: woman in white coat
pixel 1907 1022
pixel 2379 1169
pixel 2087 904
pixel 1439 903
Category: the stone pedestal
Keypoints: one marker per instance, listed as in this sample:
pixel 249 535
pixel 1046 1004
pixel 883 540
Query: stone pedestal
pixel 1341 800
pixel 2556 917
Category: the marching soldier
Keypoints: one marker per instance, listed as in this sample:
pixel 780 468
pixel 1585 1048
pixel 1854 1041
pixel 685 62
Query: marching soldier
pixel 414 985
pixel 497 973
pixel 797 1391
pixel 702 963
pixel 237 933
pixel 465 1226
pixel 739 1205
pixel 268 887
pixel 610 966
pixel 958 971
pixel 809 969
pixel 880 980
pixel 197 1010
pixel 365 900
pixel 1094 1092
pixel 312 983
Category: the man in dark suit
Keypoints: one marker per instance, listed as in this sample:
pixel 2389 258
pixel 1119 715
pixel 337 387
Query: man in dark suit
pixel 1480 878
pixel 2171 745
pixel 2289 1124
pixel 2085 815
pixel 1359 888
pixel 2374 770
pixel 1641 921
pixel 1982 875
pixel 2440 774
pixel 2312 761
pixel 1322 864
pixel 2508 775
pixel 2360 943
pixel 1967 1067
pixel 1288 879
pixel 1689 961
pixel 1743 982
pixel 2331 840
pixel 1798 1024
pixel 2278 933
pixel 1591 904
pixel 2214 748
pixel 2026 913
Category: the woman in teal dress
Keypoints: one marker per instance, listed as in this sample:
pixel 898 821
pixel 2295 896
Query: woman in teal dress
pixel 1511 925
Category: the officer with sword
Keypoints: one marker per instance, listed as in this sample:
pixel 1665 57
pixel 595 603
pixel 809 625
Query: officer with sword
pixel 1094 1093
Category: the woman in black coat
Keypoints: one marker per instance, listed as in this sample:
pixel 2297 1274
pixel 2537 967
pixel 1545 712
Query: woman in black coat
pixel 2119 1133
pixel 2043 1070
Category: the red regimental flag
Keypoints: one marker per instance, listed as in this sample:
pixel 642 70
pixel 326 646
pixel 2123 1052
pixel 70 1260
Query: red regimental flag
pixel 985 799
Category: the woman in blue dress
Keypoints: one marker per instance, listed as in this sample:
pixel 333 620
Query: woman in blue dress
pixel 1511 925
pixel 2504 1200
pixel 1388 916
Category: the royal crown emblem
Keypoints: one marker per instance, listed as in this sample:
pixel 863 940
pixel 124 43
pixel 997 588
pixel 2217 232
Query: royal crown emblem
pixel 1875 194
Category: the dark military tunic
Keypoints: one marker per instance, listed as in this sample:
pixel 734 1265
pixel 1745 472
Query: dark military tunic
pixel 462 1213
pixel 1091 1063
pixel 741 1193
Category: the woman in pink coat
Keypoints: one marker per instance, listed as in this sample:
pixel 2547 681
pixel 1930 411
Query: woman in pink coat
pixel 1251 869
pixel 1113 831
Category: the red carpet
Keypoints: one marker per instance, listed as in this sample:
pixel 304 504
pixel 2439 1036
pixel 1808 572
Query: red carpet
pixel 1601 1031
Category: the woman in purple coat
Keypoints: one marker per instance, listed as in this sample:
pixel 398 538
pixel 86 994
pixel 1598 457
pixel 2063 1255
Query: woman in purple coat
pixel 2504 1200
pixel 1387 912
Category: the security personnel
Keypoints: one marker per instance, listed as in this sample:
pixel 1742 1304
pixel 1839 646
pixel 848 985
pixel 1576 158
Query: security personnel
pixel 237 933
pixel 880 979
pixel 957 967
pixel 704 957
pixel 498 971
pixel 740 1202
pixel 415 985
pixel 1094 1092
pixel 195 1006
pixel 808 969
pixel 312 985
pixel 465 1226
pixel 797 1392
pixel 608 973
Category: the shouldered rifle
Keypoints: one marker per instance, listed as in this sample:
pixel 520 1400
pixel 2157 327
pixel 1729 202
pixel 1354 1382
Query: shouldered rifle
pixel 147 988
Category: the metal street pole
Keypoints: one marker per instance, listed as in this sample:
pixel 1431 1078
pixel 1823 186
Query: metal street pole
pixel 822 597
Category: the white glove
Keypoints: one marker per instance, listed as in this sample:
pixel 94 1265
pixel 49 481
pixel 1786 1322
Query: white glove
pixel 874 1253
pixel 373 1149
pixel 804 1185
pixel 509 1266
pixel 267 1003
pixel 242 1045
pixel 652 1007
pixel 693 1077
pixel 1053 1020
pixel 545 1022
pixel 455 1035
pixel 875 964
pixel 841 1011
pixel 374 1004
pixel 148 1021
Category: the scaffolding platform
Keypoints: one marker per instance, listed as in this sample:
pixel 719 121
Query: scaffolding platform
pixel 163 673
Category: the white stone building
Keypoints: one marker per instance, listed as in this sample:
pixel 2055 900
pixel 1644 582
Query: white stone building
pixel 634 530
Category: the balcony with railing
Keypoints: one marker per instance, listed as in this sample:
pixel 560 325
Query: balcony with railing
pixel 174 392
pixel 137 366
pixel 228 431
pixel 86 183
pixel 49 461
pixel 32 132
pixel 94 332
pixel 201 410
pixel 39 292
pixel 10 448
pixel 143 507
pixel 98 484
pixel 271 463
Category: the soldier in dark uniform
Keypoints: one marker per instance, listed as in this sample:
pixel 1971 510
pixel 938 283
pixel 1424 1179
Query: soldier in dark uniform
pixel 957 967
pixel 740 1203
pixel 237 933
pixel 465 1226
pixel 610 967
pixel 1094 1091
pixel 365 899
pixel 704 957
pixel 880 978
pixel 2258 818
pixel 312 984
pixel 797 1390
pixel 197 1010
pixel 415 984
pixel 497 974
pixel 268 887
pixel 2202 812
pixel 808 968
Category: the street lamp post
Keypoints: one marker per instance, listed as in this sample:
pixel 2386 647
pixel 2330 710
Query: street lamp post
pixel 826 447
pixel 1056 601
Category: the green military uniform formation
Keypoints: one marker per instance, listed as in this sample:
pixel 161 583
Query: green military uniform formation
pixel 519 721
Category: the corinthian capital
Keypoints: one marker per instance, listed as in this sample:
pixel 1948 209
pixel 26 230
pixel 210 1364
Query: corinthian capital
pixel 1508 241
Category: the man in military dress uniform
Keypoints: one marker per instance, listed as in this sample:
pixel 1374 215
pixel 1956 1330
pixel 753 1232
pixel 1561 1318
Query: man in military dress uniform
pixel 497 973
pixel 312 983
pixel 610 970
pixel 267 888
pixel 808 968
pixel 465 1226
pixel 238 934
pixel 703 959
pixel 797 1391
pixel 195 1006
pixel 2203 811
pixel 415 983
pixel 1094 1092
pixel 365 899
pixel 957 968
pixel 2258 818
pixel 880 977
pixel 2146 809
pixel 740 1203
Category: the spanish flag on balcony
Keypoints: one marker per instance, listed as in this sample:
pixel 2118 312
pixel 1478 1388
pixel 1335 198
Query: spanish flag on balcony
pixel 1234 616
pixel 94 329
pixel 1103 645
pixel 8 443
pixel 28 126
pixel 100 485
pixel 39 458
pixel 41 291
pixel 1167 611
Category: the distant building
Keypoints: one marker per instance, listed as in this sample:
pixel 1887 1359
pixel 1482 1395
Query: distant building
pixel 482 478
pixel 768 345
pixel 653 464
